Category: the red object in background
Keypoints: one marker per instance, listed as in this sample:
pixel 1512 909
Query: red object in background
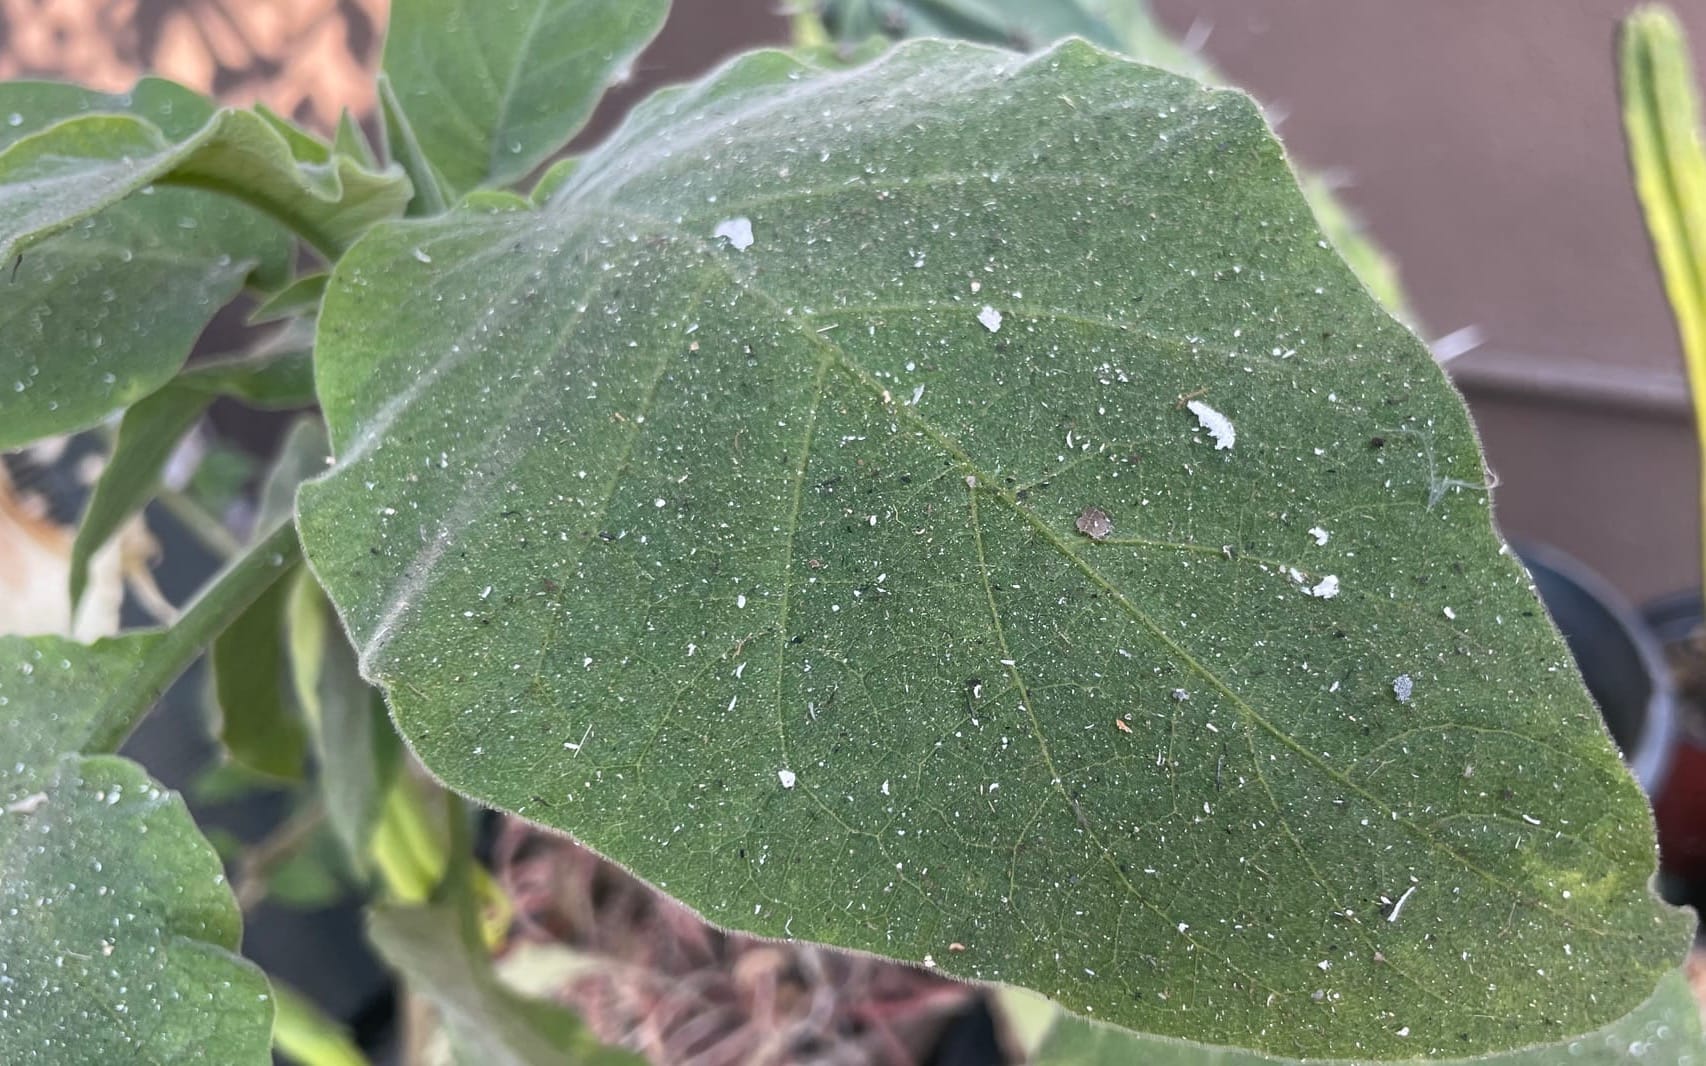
pixel 1680 808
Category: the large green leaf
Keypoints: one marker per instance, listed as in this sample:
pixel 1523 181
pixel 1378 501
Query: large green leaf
pixel 117 930
pixel 104 313
pixel 490 90
pixel 1664 1029
pixel 725 513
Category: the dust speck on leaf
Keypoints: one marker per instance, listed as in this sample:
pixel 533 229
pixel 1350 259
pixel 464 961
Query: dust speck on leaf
pixel 737 231
pixel 1218 425
pixel 1094 523
pixel 28 805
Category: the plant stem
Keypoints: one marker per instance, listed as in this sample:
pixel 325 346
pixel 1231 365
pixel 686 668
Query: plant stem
pixel 302 1034
pixel 200 523
pixel 220 602
pixel 258 862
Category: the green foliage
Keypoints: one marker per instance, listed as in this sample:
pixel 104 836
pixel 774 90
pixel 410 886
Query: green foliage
pixel 117 931
pixel 736 491
pixel 490 91
pixel 958 507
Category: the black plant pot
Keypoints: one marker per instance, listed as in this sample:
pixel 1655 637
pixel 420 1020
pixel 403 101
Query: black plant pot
pixel 1621 660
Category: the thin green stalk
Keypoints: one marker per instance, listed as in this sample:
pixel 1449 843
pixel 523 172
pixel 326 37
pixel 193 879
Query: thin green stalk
pixel 304 1035
pixel 1661 120
pixel 200 523
pixel 220 602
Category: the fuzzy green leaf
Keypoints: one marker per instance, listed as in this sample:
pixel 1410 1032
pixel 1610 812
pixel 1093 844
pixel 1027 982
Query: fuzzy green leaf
pixel 490 90
pixel 146 437
pixel 104 313
pixel 1664 1029
pixel 726 513
pixel 117 931
pixel 70 170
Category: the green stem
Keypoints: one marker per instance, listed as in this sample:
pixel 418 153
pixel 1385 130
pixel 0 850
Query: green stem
pixel 200 523
pixel 226 597
pixel 304 1035
pixel 259 863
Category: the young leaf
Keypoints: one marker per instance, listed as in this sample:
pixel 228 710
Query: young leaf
pixel 489 91
pixel 300 297
pixel 260 725
pixel 278 376
pixel 71 170
pixel 1661 121
pixel 118 935
pixel 146 437
pixel 355 747
pixel 1022 24
pixel 726 513
pixel 104 314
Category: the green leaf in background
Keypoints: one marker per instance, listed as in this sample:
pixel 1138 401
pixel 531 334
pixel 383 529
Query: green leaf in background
pixel 146 437
pixel 278 375
pixel 1022 24
pixel 117 931
pixel 68 171
pixel 262 722
pixel 105 312
pixel 260 725
pixel 1665 1029
pixel 488 1024
pixel 1661 121
pixel 357 751
pixel 430 195
pixel 300 297
pixel 490 89
pixel 962 509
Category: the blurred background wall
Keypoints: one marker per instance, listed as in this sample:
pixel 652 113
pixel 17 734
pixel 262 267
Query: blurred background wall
pixel 1478 140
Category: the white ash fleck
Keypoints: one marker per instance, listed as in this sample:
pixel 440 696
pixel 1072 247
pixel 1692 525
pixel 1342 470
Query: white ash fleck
pixel 1321 535
pixel 1326 588
pixel 422 256
pixel 1403 688
pixel 28 805
pixel 737 231
pixel 786 777
pixel 1450 614
pixel 1218 425
pixel 1094 523
pixel 991 318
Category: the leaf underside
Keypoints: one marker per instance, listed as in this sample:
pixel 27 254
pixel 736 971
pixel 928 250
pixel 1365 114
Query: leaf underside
pixel 757 567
